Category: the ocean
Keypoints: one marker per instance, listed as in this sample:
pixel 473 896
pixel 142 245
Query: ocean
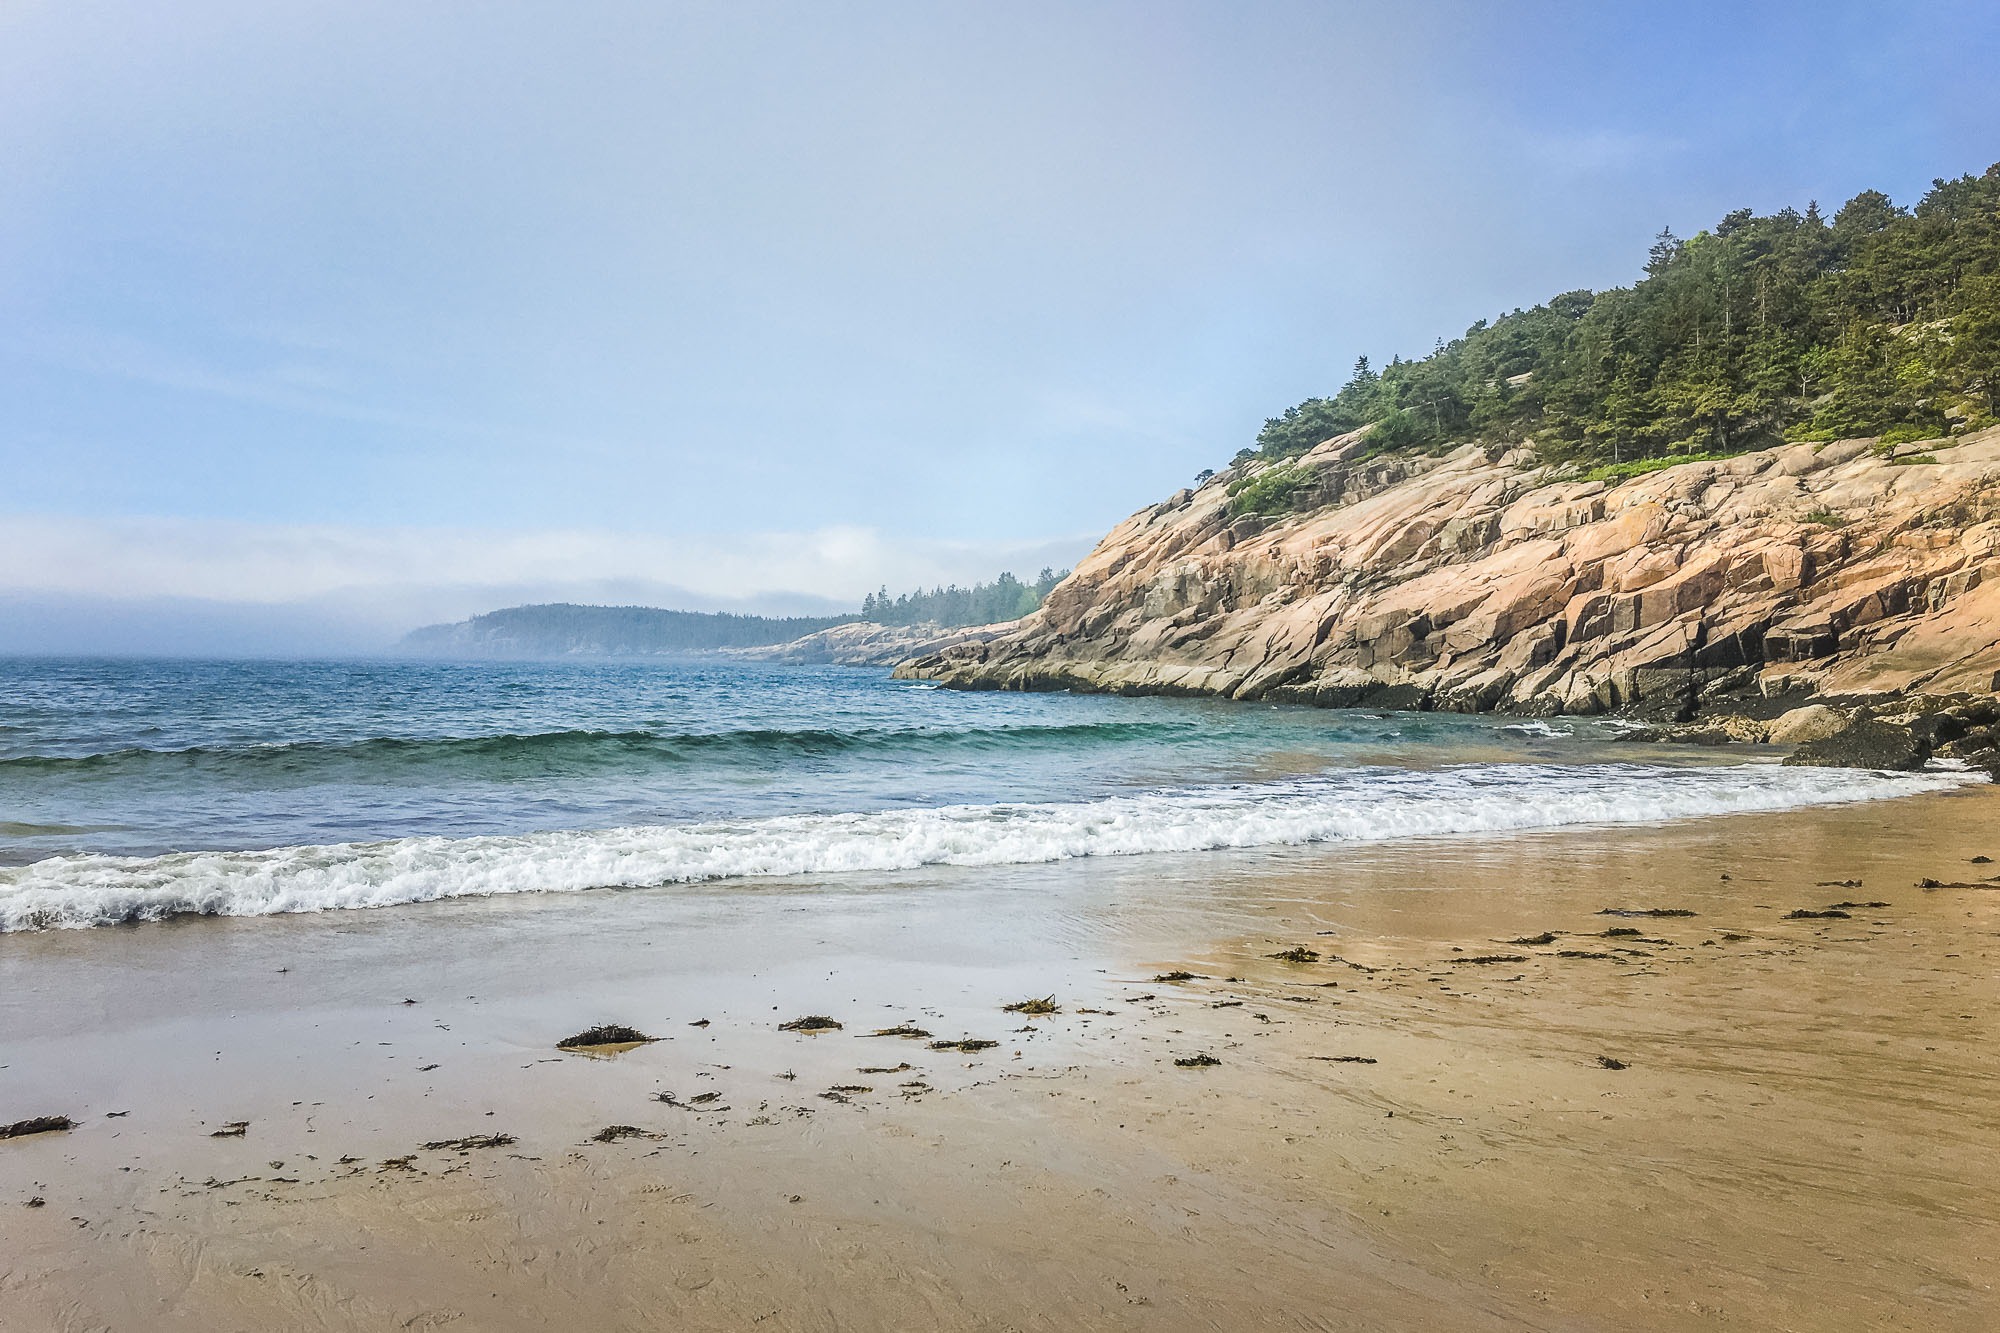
pixel 135 790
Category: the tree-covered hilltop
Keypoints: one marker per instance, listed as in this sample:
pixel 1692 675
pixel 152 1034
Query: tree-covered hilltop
pixel 1006 598
pixel 564 629
pixel 1884 321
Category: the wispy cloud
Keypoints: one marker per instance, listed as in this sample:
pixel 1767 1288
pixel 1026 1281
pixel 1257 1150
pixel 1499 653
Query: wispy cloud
pixel 289 378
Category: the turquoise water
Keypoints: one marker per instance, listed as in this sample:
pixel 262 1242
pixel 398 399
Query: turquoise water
pixel 136 789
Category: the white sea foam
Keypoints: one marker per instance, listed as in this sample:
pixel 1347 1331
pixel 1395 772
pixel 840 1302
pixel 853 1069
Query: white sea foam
pixel 1537 727
pixel 1353 805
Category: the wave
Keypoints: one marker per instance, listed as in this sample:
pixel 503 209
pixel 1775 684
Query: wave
pixel 1537 727
pixel 1352 805
pixel 538 753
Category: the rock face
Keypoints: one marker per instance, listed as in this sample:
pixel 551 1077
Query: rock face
pixel 1466 584
pixel 863 643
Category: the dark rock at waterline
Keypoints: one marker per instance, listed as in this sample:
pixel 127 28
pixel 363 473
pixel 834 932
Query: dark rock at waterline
pixel 1986 760
pixel 1400 698
pixel 1867 743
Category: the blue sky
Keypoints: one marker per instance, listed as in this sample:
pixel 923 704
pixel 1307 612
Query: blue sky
pixel 357 315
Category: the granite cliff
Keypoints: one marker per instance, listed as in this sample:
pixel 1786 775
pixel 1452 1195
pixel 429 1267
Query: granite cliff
pixel 1465 582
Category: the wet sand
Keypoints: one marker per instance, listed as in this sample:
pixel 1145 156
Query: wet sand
pixel 1415 1131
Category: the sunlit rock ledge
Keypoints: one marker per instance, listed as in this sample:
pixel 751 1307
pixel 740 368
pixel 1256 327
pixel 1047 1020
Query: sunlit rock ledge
pixel 1463 583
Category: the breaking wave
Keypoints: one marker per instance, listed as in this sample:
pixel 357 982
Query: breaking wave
pixel 508 755
pixel 1349 805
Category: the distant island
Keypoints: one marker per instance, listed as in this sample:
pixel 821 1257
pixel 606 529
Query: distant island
pixel 566 629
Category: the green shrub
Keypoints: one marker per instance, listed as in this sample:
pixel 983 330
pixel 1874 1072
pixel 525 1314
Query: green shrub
pixel 1398 430
pixel 1907 435
pixel 1271 491
pixel 1616 472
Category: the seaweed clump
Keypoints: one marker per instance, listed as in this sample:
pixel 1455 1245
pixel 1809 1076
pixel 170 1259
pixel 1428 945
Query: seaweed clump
pixel 1046 1005
pixel 968 1044
pixel 613 1133
pixel 604 1034
pixel 1297 954
pixel 811 1023
pixel 1197 1062
pixel 471 1141
pixel 41 1124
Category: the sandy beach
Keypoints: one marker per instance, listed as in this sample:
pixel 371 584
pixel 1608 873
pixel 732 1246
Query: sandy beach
pixel 1486 1103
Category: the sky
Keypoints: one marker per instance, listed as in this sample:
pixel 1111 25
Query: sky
pixel 320 321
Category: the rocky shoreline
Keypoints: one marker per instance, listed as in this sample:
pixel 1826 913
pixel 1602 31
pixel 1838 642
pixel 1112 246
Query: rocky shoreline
pixel 1901 733
pixel 864 643
pixel 1859 579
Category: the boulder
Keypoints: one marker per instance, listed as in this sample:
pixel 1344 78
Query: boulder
pixel 1866 743
pixel 1814 722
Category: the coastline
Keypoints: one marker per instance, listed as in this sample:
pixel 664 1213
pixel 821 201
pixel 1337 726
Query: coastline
pixel 1801 1137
